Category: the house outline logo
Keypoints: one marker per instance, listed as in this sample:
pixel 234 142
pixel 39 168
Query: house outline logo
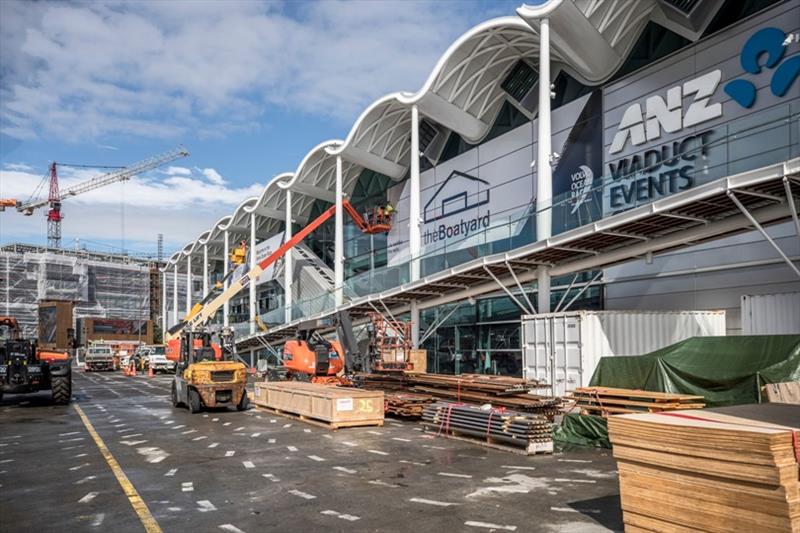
pixel 454 204
pixel 766 48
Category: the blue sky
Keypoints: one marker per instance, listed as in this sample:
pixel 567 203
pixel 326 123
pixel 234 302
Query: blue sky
pixel 247 87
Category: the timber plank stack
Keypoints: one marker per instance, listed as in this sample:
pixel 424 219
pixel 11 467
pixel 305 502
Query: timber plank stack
pixel 406 404
pixel 607 400
pixel 497 428
pixel 499 391
pixel 708 471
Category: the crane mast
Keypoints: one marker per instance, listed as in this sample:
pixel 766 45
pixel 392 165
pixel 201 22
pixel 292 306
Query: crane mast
pixel 56 196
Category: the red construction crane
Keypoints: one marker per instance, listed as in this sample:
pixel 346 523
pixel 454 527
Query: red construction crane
pixel 56 197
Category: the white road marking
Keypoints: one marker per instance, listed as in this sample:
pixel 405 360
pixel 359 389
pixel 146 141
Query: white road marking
pixel 511 467
pixel 226 424
pixel 271 477
pixel 433 447
pixel 201 437
pixel 565 480
pixel 9 437
pixel 374 432
pixel 152 454
pixel 187 486
pixel 327 437
pixel 133 435
pixel 171 472
pixel 229 453
pixel 62 441
pixel 213 445
pixel 350 517
pixel 271 441
pixel 231 528
pixel 415 463
pixel 291 448
pixel 256 435
pixel 79 466
pixel 306 431
pixel 316 458
pixel 120 425
pixel 383 484
pixel 89 497
pixel 188 432
pixel 169 422
pixel 125 430
pixel 98 519
pixel 302 494
pixel 272 420
pixel 377 452
pixel 84 480
pixel 401 439
pixel 487 525
pixel 175 509
pixel 345 470
pixel 215 419
pixel 248 464
pixel 351 444
pixel 395 424
pixel 205 506
pixel 287 426
pixel 574 461
pixel 81 455
pixel 60 435
pixel 449 474
pixel 6 461
pixel 239 428
pixel 571 510
pixel 432 502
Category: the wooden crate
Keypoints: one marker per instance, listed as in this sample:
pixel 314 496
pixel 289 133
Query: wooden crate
pixel 419 358
pixel 334 407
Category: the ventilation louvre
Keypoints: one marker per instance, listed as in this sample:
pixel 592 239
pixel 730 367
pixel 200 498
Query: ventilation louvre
pixel 427 134
pixel 520 81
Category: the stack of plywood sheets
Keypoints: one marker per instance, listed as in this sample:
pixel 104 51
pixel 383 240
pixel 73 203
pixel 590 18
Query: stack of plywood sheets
pixel 708 471
pixel 329 406
pixel 608 400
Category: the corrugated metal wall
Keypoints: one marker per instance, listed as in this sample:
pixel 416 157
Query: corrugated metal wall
pixel 771 314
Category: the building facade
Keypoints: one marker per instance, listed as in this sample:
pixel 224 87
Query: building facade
pixel 647 102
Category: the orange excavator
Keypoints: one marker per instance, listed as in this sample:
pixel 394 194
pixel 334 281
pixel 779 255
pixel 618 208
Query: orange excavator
pixel 26 369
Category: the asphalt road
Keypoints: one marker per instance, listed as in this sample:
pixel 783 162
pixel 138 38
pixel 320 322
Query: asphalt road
pixel 254 471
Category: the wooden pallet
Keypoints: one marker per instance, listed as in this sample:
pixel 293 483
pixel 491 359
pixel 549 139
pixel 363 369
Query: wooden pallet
pixel 532 448
pixel 319 422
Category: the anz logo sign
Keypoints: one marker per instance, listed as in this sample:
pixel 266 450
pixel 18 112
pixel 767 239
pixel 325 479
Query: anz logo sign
pixel 764 49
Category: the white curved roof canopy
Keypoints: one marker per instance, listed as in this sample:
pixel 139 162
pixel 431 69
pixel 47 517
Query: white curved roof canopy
pixel 589 39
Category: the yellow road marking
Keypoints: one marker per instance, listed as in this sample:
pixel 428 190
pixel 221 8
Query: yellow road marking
pixel 149 523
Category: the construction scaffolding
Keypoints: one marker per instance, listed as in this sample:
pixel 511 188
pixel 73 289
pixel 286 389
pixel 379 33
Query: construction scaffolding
pixel 100 285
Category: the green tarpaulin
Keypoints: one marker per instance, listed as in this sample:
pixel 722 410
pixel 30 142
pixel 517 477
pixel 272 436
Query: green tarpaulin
pixel 724 370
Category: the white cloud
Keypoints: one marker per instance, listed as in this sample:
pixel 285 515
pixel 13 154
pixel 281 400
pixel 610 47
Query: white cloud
pixel 18 166
pixel 213 176
pixel 178 171
pixel 164 69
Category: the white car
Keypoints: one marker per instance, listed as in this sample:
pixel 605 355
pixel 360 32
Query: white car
pixel 160 363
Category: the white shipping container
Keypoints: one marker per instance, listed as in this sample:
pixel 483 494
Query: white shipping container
pixel 575 341
pixel 771 314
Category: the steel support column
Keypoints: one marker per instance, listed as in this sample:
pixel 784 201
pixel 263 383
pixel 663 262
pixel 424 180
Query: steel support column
pixel 253 283
pixel 508 292
pixel 414 312
pixel 226 307
pixel 175 294
pixel 338 254
pixel 414 209
pixel 164 321
pixel 205 270
pixel 544 178
pixel 583 289
pixel 543 288
pixel 188 284
pixel 792 206
pixel 287 261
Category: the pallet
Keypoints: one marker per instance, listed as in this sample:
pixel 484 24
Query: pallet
pixel 532 448
pixel 333 426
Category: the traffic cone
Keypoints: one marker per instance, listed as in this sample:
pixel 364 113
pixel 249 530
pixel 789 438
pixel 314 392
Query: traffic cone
pixel 133 370
pixel 149 371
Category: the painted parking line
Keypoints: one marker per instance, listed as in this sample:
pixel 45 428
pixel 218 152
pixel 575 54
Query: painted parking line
pixel 136 501
pixel 432 502
pixel 487 525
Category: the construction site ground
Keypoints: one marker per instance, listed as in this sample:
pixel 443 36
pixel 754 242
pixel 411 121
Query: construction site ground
pixel 253 471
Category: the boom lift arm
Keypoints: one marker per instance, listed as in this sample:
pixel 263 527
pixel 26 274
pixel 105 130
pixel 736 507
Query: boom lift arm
pixel 376 222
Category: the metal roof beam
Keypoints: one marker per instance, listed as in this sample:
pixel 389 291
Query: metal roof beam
pixel 366 159
pixel 760 195
pixel 685 217
pixel 624 235
pixel 578 250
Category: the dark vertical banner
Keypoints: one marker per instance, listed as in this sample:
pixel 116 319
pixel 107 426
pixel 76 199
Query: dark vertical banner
pixel 577 175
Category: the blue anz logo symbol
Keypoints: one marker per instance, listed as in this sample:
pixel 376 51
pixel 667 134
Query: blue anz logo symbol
pixel 765 49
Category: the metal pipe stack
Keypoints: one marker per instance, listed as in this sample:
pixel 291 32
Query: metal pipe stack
pixel 529 432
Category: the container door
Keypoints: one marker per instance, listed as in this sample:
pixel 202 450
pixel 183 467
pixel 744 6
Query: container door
pixel 535 348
